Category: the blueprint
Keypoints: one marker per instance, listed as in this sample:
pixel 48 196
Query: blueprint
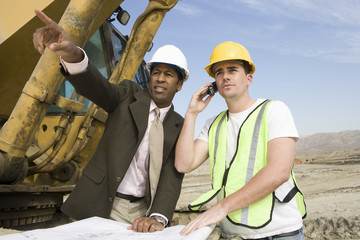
pixel 96 228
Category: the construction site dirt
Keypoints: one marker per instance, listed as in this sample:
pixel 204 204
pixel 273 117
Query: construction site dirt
pixel 331 189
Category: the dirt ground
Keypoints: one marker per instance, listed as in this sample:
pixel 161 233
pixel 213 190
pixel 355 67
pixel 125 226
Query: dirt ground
pixel 332 194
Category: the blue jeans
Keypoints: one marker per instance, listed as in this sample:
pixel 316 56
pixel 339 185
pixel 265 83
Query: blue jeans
pixel 299 236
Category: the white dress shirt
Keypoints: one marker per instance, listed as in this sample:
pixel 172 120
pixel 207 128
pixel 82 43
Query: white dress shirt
pixel 134 182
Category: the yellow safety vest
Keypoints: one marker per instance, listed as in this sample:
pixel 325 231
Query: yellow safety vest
pixel 249 159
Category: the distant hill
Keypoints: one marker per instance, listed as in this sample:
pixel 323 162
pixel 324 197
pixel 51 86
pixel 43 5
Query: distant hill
pixel 328 142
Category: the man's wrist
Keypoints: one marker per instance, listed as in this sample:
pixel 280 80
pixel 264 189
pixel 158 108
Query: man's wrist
pixel 77 55
pixel 191 114
pixel 159 218
pixel 75 68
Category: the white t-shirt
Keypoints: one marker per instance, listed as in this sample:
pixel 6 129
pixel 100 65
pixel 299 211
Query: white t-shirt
pixel 286 217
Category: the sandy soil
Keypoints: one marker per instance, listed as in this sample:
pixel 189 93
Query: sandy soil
pixel 332 194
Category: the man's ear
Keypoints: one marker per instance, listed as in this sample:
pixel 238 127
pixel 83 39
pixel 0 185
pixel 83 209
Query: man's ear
pixel 179 85
pixel 249 78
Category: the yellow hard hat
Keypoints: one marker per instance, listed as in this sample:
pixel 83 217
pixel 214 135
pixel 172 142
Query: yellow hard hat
pixel 229 51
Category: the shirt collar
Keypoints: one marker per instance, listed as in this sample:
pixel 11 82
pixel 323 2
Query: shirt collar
pixel 163 111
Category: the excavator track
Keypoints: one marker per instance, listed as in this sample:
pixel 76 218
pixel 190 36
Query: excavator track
pixel 23 207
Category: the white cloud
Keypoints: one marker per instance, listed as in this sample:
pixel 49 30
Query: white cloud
pixel 324 29
pixel 188 9
pixel 275 27
pixel 321 11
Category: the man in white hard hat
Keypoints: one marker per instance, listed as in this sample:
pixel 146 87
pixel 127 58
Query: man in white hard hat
pixel 115 183
pixel 251 149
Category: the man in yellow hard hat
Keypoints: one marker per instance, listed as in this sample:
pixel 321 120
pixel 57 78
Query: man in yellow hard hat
pixel 251 148
pixel 120 182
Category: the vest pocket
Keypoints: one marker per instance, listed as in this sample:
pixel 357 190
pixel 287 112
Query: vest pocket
pixel 282 193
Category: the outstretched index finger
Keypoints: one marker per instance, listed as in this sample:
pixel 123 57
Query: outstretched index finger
pixel 45 19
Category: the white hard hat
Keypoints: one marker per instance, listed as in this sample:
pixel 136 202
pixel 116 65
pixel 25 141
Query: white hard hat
pixel 171 55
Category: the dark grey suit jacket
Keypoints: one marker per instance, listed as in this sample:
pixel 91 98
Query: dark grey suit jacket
pixel 128 108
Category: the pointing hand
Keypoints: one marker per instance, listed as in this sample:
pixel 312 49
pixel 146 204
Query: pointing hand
pixel 55 38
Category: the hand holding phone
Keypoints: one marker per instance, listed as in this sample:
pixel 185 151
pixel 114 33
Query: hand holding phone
pixel 212 89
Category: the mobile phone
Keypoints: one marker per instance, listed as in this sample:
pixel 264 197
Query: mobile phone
pixel 212 89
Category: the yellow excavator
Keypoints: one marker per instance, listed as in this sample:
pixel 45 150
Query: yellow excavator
pixel 48 132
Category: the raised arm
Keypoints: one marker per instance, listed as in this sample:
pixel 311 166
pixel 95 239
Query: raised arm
pixel 89 82
pixel 55 38
pixel 189 153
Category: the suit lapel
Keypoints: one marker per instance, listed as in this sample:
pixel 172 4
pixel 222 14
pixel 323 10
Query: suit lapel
pixel 172 127
pixel 139 115
pixel 171 123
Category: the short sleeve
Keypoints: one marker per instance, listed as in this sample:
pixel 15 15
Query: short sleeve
pixel 280 121
pixel 204 134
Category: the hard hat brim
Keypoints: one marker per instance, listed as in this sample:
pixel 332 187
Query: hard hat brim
pixel 209 68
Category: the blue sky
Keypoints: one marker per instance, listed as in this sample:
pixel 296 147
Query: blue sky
pixel 306 53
